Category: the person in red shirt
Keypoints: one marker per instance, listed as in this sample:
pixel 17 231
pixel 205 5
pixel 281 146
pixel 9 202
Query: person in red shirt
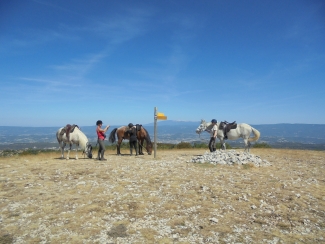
pixel 101 137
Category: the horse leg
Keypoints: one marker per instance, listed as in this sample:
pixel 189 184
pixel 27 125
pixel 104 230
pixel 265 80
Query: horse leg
pixel 77 147
pixel 62 146
pixel 118 147
pixel 223 144
pixel 68 155
pixel 247 145
pixel 141 146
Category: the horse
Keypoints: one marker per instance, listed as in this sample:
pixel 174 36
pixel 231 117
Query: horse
pixel 243 130
pixel 73 135
pixel 121 132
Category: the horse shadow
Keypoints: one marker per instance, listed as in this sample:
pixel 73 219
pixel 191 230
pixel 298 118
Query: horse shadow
pixel 59 158
pixel 125 155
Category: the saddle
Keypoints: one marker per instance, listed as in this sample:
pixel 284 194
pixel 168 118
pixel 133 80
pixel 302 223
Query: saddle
pixel 68 129
pixel 226 127
pixel 137 128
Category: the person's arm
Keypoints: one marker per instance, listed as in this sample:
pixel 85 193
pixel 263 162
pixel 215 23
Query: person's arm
pixel 106 128
pixel 103 130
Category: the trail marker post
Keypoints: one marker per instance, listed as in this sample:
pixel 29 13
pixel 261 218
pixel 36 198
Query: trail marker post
pixel 157 116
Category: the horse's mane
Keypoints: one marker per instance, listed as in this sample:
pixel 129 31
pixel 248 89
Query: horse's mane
pixel 209 126
pixel 147 135
pixel 82 135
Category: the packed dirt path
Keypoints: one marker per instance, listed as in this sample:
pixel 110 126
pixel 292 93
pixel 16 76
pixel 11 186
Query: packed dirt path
pixel 166 199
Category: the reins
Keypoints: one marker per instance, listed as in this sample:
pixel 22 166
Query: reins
pixel 86 148
pixel 207 130
pixel 142 146
pixel 202 138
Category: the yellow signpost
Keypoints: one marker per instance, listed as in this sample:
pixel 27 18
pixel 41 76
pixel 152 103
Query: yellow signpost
pixel 161 116
pixel 157 116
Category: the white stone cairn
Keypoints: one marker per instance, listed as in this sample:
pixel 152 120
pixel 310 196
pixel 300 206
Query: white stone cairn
pixel 229 157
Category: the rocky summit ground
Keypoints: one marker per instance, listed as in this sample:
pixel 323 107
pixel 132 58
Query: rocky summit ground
pixel 177 197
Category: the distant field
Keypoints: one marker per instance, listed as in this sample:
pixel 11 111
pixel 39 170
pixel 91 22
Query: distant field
pixel 144 199
pixel 294 136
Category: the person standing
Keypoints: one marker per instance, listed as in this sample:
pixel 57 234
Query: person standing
pixel 213 135
pixel 101 137
pixel 133 139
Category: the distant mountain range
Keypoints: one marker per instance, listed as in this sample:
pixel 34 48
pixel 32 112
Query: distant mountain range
pixel 309 136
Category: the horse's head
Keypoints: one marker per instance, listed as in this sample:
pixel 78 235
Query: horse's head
pixel 202 127
pixel 149 148
pixel 144 134
pixel 89 150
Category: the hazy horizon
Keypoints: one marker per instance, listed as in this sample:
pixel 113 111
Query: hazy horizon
pixel 152 124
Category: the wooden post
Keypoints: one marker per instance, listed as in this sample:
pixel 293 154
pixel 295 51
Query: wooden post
pixel 155 131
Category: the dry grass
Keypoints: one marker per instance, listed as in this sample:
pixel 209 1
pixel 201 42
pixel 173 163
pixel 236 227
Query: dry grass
pixel 164 200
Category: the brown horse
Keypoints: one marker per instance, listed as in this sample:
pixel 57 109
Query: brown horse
pixel 142 134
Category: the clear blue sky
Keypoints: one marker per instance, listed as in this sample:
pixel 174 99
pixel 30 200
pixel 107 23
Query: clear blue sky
pixel 258 62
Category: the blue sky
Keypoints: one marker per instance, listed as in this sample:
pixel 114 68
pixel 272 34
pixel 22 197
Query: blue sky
pixel 257 62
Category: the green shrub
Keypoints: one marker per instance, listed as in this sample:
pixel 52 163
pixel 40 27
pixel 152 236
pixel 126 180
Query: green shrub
pixel 183 145
pixel 165 146
pixel 113 146
pixel 200 145
pixel 218 146
pixel 261 145
pixel 8 153
pixel 30 152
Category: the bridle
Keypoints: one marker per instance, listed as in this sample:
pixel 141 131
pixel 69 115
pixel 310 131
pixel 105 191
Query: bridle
pixel 143 146
pixel 201 130
pixel 87 150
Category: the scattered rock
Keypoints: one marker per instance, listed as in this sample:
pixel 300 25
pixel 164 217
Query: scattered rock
pixel 118 231
pixel 253 207
pixel 214 220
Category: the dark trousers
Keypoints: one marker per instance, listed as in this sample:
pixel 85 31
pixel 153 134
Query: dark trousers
pixel 101 149
pixel 212 143
pixel 134 144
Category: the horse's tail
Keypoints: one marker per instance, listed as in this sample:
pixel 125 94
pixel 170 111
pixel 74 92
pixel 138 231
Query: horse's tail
pixel 112 136
pixel 58 135
pixel 257 135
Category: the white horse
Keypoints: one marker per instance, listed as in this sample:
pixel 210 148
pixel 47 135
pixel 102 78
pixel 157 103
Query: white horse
pixel 243 130
pixel 75 137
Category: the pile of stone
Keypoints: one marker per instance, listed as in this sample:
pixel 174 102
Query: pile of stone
pixel 229 157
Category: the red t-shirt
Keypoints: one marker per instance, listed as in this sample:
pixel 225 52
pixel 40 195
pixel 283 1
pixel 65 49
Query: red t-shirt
pixel 100 134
